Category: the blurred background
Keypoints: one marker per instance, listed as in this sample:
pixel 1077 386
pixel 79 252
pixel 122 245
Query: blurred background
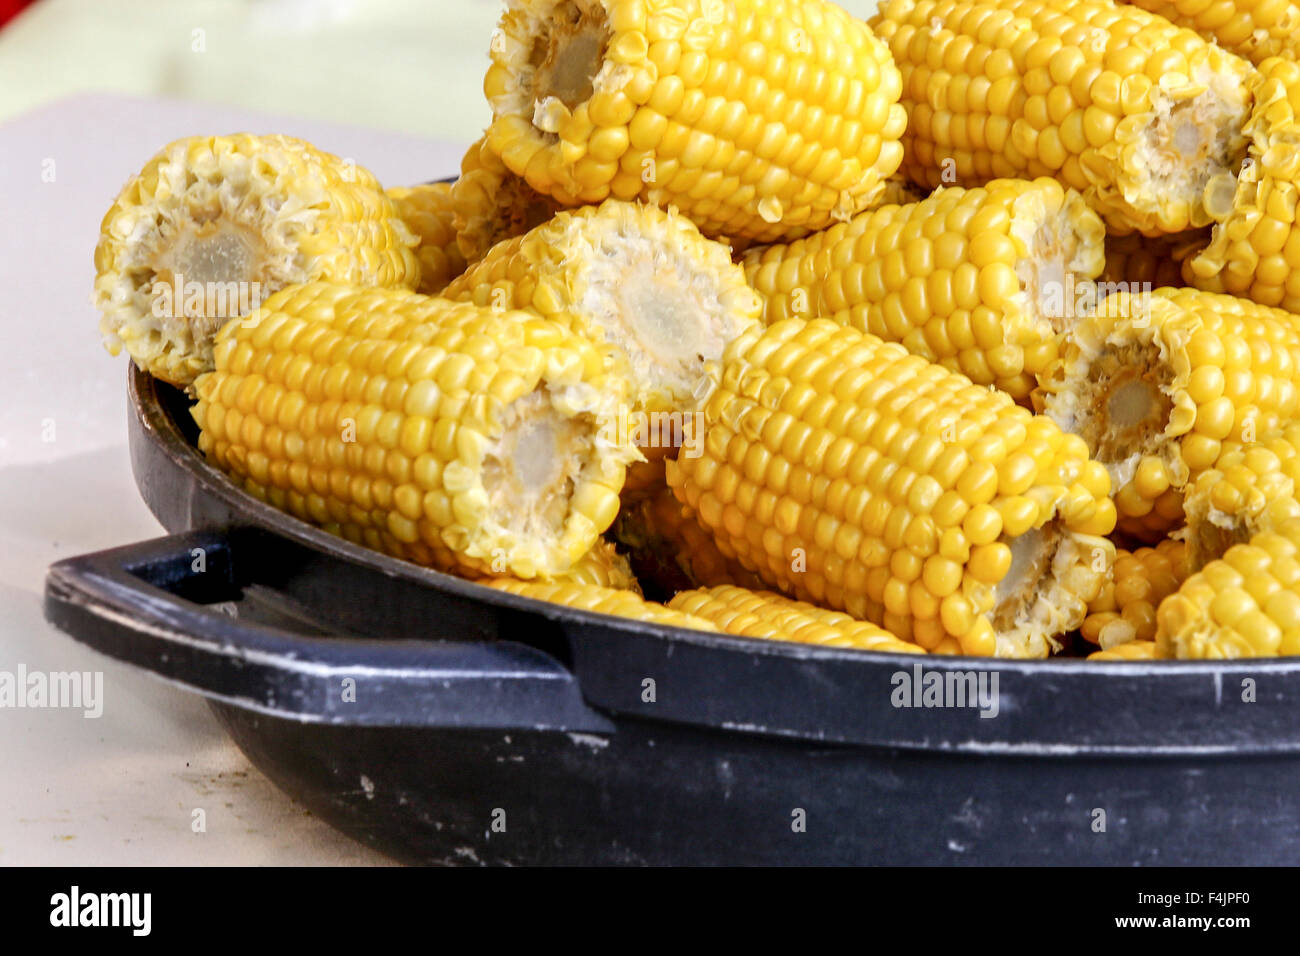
pixel 414 66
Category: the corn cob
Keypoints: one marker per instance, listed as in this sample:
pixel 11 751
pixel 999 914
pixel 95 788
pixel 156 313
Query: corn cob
pixel 1246 604
pixel 1125 610
pixel 1128 651
pixel 214 225
pixel 981 281
pixel 603 566
pixel 670 548
pixel 759 119
pixel 491 204
pixel 427 212
pixel 1251 488
pixel 1254 251
pixel 762 614
pixel 449 435
pixel 1138 263
pixel 588 597
pixel 1137 114
pixel 663 299
pixel 1156 384
pixel 1254 30
pixel 856 476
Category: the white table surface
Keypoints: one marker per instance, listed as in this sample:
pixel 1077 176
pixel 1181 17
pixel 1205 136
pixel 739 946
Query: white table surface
pixel 120 789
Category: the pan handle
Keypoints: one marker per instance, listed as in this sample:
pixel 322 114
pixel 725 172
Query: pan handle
pixel 151 604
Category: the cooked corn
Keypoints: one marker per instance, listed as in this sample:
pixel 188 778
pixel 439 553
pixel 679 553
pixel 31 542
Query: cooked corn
pixel 762 614
pixel 1251 488
pixel 856 476
pixel 492 204
pixel 671 548
pixel 427 211
pixel 1136 262
pixel 603 566
pixel 762 119
pixel 588 597
pixel 981 281
pixel 439 432
pixel 1128 651
pixel 214 225
pixel 1125 610
pixel 1118 103
pixel 899 191
pixel 1254 29
pixel 1255 249
pixel 1155 385
pixel 1246 604
pixel 663 299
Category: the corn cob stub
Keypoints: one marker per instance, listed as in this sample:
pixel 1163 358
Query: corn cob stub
pixel 763 614
pixel 1254 29
pixel 662 299
pixel 1251 488
pixel 1125 610
pixel 1136 262
pixel 427 211
pixel 982 281
pixel 603 566
pixel 449 435
pixel 214 225
pixel 672 549
pixel 1255 249
pixel 1116 102
pixel 491 204
pixel 1128 651
pixel 588 597
pixel 859 477
pixel 1246 604
pixel 761 119
pixel 1156 384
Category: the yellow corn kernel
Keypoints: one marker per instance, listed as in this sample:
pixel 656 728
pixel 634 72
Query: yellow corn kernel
pixel 589 597
pixel 491 204
pixel 1125 610
pixel 819 469
pixel 1245 604
pixel 759 119
pixel 213 225
pixel 982 281
pixel 439 432
pixel 763 614
pixel 1135 113
pixel 1251 488
pixel 1254 250
pixel 1156 384
pixel 428 212
pixel 661 299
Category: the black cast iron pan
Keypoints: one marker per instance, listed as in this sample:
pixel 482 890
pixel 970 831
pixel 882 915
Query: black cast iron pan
pixel 440 721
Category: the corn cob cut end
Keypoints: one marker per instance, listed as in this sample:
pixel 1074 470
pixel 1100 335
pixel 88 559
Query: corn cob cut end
pixel 213 226
pixel 1194 139
pixel 1065 250
pixel 491 204
pixel 1054 573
